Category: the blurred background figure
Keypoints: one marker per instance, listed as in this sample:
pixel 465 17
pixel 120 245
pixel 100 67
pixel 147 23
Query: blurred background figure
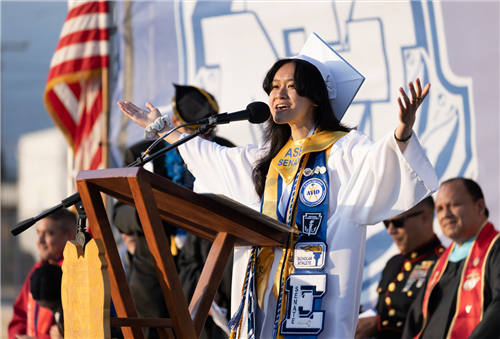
pixel 30 319
pixel 127 251
pixel 405 273
pixel 461 298
pixel 189 104
pixel 46 291
pixel 192 259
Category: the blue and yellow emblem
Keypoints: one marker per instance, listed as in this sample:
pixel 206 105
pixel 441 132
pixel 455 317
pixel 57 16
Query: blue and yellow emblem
pixel 313 192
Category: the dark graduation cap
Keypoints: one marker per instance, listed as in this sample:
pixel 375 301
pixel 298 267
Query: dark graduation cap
pixel 45 283
pixel 191 104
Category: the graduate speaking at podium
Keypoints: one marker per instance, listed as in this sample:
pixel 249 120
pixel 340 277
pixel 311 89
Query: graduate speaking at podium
pixel 318 176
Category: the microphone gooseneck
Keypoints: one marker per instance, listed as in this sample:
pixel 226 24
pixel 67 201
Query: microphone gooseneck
pixel 256 112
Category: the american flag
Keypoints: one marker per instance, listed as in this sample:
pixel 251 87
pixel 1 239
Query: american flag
pixel 74 94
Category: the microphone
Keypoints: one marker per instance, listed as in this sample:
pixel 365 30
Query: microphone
pixel 65 203
pixel 256 112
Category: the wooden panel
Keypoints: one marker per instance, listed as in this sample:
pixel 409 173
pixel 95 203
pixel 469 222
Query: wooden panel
pixel 159 247
pixel 140 322
pixel 187 210
pixel 210 278
pixel 85 292
pixel 157 198
pixel 99 224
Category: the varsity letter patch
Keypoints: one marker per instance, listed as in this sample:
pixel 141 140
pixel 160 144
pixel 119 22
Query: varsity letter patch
pixel 301 316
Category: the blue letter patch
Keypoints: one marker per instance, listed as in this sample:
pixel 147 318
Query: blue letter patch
pixel 301 317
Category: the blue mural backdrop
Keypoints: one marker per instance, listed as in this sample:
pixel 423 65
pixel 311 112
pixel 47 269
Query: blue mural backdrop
pixel 227 47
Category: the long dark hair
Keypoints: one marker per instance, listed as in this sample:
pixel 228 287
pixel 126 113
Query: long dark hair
pixel 308 83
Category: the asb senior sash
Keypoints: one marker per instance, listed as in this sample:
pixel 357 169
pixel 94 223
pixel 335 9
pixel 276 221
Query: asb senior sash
pixel 297 163
pixel 302 281
pixel 301 163
pixel 469 307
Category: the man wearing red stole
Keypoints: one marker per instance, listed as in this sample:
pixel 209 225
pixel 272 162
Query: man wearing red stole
pixel 31 320
pixel 461 298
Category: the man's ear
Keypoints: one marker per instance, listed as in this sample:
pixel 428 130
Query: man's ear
pixel 481 206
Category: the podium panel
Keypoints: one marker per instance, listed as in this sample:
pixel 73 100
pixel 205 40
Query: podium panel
pixel 217 219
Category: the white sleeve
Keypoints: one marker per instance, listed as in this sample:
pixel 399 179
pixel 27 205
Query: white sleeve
pixel 377 180
pixel 222 170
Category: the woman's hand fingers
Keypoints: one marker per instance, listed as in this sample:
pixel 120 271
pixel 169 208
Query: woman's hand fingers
pixel 413 93
pixel 417 96
pixel 150 106
pixel 133 106
pixel 130 109
pixel 126 108
pixel 425 91
pixel 401 106
pixel 419 88
pixel 404 96
pixel 138 115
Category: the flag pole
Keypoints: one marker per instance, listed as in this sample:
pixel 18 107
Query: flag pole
pixel 106 90
pixel 105 119
pixel 106 102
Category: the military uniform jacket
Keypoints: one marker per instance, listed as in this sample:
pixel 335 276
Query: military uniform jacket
pixel 403 277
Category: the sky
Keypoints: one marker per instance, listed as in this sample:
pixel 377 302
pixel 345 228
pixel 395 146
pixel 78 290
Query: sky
pixel 29 35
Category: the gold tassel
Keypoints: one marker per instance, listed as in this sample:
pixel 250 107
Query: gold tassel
pixel 173 247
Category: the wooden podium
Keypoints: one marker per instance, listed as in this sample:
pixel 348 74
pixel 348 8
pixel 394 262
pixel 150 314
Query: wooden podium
pixel 218 220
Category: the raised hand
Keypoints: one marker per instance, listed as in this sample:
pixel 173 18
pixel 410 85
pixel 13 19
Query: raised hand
pixel 408 108
pixel 139 116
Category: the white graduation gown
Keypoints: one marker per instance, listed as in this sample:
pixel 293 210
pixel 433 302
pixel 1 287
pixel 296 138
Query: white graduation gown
pixel 369 182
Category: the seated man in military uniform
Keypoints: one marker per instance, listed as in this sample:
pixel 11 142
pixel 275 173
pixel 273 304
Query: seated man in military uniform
pixel 405 273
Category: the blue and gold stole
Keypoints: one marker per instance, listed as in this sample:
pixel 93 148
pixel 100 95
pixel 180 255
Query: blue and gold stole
pixel 303 163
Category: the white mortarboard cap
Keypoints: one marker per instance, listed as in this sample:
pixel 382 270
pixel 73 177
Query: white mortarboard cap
pixel 341 79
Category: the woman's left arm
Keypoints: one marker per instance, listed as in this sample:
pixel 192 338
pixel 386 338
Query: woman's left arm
pixel 407 111
pixel 376 179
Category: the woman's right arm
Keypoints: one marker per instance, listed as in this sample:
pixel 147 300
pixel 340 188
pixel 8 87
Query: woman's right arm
pixel 224 170
pixel 217 169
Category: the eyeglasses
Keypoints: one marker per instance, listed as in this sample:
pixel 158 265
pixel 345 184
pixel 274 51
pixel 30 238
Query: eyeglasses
pixel 400 222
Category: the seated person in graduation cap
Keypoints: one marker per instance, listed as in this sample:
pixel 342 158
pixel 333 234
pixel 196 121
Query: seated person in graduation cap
pixel 45 287
pixel 187 107
pixel 189 104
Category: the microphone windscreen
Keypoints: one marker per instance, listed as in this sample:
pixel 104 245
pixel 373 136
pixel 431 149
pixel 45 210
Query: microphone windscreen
pixel 259 112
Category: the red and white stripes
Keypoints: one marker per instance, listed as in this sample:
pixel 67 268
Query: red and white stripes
pixel 73 95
